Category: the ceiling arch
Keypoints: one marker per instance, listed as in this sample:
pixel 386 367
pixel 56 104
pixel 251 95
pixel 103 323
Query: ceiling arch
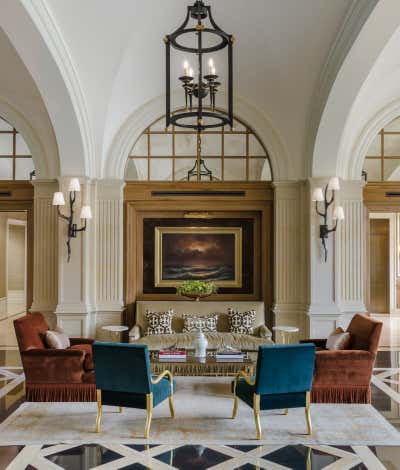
pixel 361 97
pixel 134 126
pixel 35 36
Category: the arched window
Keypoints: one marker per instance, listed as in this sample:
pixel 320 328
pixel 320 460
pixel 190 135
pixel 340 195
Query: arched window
pixel 15 158
pixel 382 162
pixel 170 155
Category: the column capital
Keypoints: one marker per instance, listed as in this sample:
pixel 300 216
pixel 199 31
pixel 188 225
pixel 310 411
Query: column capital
pixel 111 189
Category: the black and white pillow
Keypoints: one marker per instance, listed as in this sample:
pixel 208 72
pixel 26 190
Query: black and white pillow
pixel 193 323
pixel 241 322
pixel 159 323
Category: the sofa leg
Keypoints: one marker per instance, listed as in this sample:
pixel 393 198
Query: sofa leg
pixel 308 415
pixel 120 409
pixel 256 407
pixel 286 411
pixel 149 414
pixel 99 410
pixel 235 406
pixel 171 406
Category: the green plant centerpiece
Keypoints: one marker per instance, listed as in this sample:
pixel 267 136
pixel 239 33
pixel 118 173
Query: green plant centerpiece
pixel 197 289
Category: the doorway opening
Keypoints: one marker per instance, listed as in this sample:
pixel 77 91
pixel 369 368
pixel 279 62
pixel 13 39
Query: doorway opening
pixel 13 263
pixel 384 263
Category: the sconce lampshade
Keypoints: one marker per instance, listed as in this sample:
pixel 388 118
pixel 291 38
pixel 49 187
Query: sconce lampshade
pixel 318 195
pixel 74 185
pixel 338 213
pixel 334 184
pixel 58 199
pixel 86 212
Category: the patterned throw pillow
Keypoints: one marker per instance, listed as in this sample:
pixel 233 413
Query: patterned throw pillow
pixel 159 323
pixel 193 323
pixel 241 322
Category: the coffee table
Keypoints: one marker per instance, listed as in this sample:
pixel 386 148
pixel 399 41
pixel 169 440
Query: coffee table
pixel 203 367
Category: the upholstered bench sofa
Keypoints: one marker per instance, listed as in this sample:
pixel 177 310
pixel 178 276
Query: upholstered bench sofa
pixel 219 339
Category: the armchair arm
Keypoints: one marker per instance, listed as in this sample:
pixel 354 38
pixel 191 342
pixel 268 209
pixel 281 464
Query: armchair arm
pixel 263 331
pixel 352 367
pixel 319 343
pixel 246 378
pixel 135 333
pixel 53 365
pixel 170 377
pixel 166 373
pixel 74 341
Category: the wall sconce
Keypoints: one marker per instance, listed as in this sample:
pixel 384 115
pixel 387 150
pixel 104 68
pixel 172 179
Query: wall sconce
pixel 86 212
pixel 320 195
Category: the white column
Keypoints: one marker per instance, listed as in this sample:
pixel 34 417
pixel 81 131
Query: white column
pixel 74 294
pixel 109 254
pixel 350 251
pixel 324 314
pixel 291 266
pixel 45 264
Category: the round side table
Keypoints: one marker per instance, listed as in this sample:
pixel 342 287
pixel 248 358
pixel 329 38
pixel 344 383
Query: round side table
pixel 285 332
pixel 115 331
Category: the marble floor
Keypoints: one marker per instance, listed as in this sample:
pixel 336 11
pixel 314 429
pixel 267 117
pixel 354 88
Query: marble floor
pixel 386 398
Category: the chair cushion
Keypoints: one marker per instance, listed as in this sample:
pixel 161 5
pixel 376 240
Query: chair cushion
pixel 57 339
pixel 269 402
pixel 87 349
pixel 215 340
pixel 338 340
pixel 161 391
pixel 244 391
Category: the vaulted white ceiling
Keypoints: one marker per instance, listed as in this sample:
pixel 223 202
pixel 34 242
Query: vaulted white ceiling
pixel 97 62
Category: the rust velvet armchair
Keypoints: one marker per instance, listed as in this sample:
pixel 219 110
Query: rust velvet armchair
pixel 344 376
pixel 54 374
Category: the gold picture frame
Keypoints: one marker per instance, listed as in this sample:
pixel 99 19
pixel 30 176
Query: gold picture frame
pixel 235 270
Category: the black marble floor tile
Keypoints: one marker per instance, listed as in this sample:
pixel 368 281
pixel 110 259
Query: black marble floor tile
pixel 141 447
pixel 243 448
pixel 247 466
pixel 83 457
pixel 192 457
pixel 300 457
pixel 135 466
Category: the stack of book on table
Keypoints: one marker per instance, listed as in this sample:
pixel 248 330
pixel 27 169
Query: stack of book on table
pixel 229 355
pixel 172 355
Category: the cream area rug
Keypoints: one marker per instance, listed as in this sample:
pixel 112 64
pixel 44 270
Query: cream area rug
pixel 203 408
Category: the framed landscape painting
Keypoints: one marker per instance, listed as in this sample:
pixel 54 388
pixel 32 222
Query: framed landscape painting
pixel 198 253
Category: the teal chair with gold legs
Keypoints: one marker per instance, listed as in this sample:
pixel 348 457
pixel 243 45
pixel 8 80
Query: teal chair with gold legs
pixel 123 379
pixel 283 380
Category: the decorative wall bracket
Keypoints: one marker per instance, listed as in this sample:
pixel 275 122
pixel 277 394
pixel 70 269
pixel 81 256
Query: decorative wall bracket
pixel 321 195
pixel 86 212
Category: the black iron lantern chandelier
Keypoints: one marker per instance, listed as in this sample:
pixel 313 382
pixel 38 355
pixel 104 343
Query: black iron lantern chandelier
pixel 199 35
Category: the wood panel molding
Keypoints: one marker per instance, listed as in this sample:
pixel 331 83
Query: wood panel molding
pixel 256 202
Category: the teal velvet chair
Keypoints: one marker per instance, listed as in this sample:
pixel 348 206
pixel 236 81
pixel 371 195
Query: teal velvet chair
pixel 123 379
pixel 283 380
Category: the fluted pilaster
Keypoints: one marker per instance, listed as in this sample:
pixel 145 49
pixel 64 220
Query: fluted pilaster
pixel 290 256
pixel 109 235
pixel 350 248
pixel 45 266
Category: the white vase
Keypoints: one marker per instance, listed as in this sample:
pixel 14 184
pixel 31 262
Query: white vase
pixel 200 344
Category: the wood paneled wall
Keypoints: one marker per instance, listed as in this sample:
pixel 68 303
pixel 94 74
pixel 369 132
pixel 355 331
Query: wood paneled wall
pixel 199 200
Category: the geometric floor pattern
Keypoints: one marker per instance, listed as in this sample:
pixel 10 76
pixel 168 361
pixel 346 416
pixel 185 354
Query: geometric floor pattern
pixel 10 378
pixel 196 457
